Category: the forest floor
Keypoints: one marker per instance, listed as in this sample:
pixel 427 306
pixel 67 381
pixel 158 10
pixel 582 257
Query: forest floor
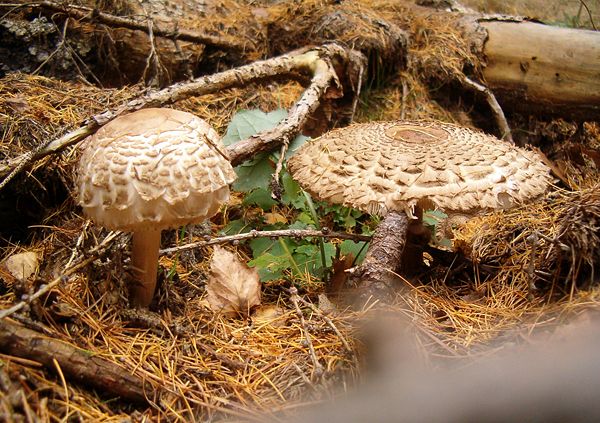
pixel 504 279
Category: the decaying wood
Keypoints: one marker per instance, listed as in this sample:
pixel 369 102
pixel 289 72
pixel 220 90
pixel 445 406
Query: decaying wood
pixel 536 67
pixel 376 279
pixel 76 364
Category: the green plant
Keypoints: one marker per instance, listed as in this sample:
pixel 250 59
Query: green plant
pixel 286 257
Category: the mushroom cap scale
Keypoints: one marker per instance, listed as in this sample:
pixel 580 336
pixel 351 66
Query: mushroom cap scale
pixel 393 166
pixel 153 169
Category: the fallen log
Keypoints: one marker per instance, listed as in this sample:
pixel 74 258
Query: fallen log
pixel 540 68
pixel 76 364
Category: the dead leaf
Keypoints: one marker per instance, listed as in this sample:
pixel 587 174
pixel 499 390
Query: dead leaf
pixel 22 265
pixel 232 287
pixel 325 304
pixel 272 218
pixel 19 104
pixel 337 283
pixel 269 314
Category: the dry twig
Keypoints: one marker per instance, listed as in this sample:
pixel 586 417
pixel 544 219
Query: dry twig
pixel 329 322
pixel 294 233
pixel 317 61
pixel 78 364
pixel 493 103
pixel 318 367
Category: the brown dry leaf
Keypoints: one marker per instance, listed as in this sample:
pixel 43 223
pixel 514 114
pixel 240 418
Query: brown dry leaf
pixel 272 218
pixel 22 265
pixel 325 304
pixel 340 276
pixel 269 314
pixel 232 287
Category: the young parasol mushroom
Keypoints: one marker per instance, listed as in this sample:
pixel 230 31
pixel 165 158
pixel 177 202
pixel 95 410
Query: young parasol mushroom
pixel 147 171
pixel 393 168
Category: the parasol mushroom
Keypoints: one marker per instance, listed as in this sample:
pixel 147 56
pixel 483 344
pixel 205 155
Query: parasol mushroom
pixel 147 171
pixel 394 168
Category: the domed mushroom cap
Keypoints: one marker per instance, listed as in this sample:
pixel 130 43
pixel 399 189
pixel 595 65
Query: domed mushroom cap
pixel 383 166
pixel 154 168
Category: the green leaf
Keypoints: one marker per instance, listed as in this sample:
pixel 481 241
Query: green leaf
pixel 270 267
pixel 433 217
pixel 308 258
pixel 260 246
pixel 292 193
pixel 357 249
pixel 306 218
pixel 246 123
pixel 300 225
pixel 261 197
pixel 234 227
pixel 254 174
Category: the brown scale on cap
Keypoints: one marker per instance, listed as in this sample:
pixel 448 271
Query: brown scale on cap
pixel 395 166
pixel 151 170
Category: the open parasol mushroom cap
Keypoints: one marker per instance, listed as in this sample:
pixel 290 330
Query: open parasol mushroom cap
pixel 154 168
pixel 151 170
pixel 394 166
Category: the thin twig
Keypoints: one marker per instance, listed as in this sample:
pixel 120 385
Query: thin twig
pixel 78 264
pixel 357 88
pixel 589 14
pixel 329 322
pixel 494 105
pixel 60 46
pixel 318 367
pixel 404 97
pixel 153 59
pixel 275 185
pixel 293 233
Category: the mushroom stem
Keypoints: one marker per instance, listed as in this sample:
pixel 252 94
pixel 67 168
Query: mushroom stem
pixel 144 260
pixel 377 277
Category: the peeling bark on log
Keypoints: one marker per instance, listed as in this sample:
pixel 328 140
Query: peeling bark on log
pixel 533 68
pixel 376 278
pixel 76 364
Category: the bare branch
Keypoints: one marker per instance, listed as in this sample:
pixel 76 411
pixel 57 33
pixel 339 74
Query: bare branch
pixel 294 233
pixel 494 105
pixel 316 61
pixel 78 364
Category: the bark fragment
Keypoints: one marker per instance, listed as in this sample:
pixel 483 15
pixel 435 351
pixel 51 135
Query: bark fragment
pixel 376 278
pixel 76 364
